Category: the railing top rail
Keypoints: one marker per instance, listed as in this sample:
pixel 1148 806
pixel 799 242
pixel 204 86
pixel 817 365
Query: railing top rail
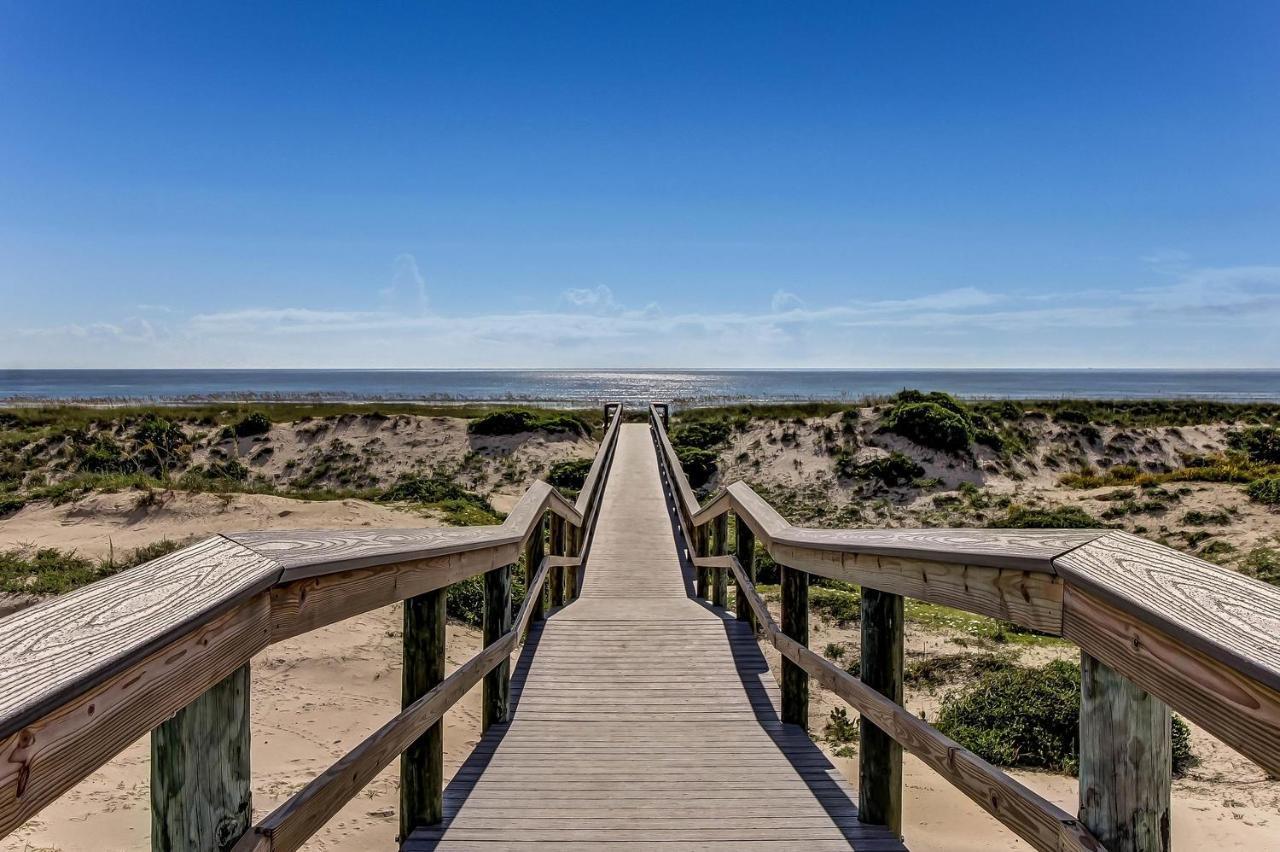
pixel 1202 637
pixel 595 475
pixel 65 646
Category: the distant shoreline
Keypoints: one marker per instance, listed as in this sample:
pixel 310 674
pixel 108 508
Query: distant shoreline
pixel 587 388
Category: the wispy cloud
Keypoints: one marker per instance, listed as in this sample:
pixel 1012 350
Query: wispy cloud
pixel 407 292
pixel 1176 323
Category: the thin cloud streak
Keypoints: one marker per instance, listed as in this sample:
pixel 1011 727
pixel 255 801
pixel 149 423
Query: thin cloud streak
pixel 593 328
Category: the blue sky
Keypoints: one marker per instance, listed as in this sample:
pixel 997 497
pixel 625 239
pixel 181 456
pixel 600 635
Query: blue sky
pixel 639 184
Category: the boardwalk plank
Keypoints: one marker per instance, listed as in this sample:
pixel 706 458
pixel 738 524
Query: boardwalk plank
pixel 644 719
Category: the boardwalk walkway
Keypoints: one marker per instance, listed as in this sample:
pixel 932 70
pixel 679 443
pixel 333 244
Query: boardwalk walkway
pixel 644 719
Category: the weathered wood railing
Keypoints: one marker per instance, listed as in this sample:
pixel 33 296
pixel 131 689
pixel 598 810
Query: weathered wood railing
pixel 1156 628
pixel 165 647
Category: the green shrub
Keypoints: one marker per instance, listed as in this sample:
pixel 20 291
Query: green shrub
pixel 460 506
pixel 1260 443
pixel 232 469
pixel 254 423
pixel 11 503
pixel 426 489
pixel 767 573
pixel 464 599
pixel 990 438
pixel 1023 716
pixel 513 421
pixel 699 465
pixel 841 607
pixel 49 571
pixel 931 425
pixel 1059 518
pixel 1265 490
pixel 571 473
pixel 703 434
pixel 841 732
pixel 1262 563
pixel 946 400
pixel 937 670
pixel 1216 518
pixel 104 456
pixel 893 470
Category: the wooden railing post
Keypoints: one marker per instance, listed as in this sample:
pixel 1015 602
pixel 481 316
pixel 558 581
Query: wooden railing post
pixel 201 795
pixel 745 546
pixel 571 575
pixel 497 621
pixel 795 624
pixel 556 578
pixel 702 548
pixel 422 764
pixel 1126 761
pixel 534 550
pixel 720 578
pixel 879 755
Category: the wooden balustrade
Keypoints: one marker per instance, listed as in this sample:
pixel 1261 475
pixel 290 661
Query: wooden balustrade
pixel 165 648
pixel 1155 627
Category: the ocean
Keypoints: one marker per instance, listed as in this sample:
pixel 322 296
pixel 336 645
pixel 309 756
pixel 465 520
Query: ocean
pixel 570 387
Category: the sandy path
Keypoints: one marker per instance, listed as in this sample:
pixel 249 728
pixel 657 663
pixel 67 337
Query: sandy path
pixel 95 524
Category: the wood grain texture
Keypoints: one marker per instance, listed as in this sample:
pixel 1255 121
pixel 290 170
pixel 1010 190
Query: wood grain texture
pixel 879 755
pixel 745 551
pixel 535 550
pixel 1031 817
pixel 795 626
pixel 65 646
pixel 497 624
pixel 423 669
pixel 309 553
pixel 1218 612
pixel 557 546
pixel 49 755
pixel 1239 710
pixel 302 605
pixel 1126 761
pixel 201 785
pixel 1028 598
pixel 719 576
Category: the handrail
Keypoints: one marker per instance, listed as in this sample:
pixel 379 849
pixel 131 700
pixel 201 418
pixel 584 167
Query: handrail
pixel 1202 638
pixel 84 674
pixel 289 826
pixel 588 502
pixel 1032 817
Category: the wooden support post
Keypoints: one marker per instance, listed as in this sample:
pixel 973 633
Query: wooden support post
pixel 1126 761
pixel 879 755
pixel 422 764
pixel 720 580
pixel 795 623
pixel 746 551
pixel 534 549
pixel 497 621
pixel 571 574
pixel 201 795
pixel 703 575
pixel 556 577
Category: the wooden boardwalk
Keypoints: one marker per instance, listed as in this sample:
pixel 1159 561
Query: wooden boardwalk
pixel 644 719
